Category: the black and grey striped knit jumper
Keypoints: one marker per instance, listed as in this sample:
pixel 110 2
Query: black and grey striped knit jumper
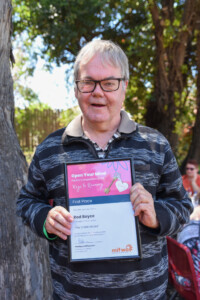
pixel 155 168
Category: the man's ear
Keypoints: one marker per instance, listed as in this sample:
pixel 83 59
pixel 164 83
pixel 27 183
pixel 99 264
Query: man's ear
pixel 125 84
pixel 76 91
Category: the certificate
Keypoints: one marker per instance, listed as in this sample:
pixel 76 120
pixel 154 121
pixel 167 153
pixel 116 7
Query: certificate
pixel 98 198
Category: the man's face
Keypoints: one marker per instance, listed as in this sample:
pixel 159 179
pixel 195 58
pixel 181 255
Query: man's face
pixel 191 170
pixel 99 106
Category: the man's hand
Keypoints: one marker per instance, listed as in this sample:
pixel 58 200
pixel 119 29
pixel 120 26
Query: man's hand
pixel 58 222
pixel 143 206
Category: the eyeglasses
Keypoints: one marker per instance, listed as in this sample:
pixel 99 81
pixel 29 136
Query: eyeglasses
pixel 107 85
pixel 191 169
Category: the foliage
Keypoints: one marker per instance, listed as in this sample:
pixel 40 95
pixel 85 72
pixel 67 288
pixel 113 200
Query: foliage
pixel 68 115
pixel 22 70
pixel 59 23
pixel 184 126
pixel 65 26
pixel 28 153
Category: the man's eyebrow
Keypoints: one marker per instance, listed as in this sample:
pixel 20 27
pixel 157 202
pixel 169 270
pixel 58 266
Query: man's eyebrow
pixel 87 77
pixel 91 78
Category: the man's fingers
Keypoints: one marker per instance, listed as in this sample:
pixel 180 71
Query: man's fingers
pixel 141 207
pixel 58 218
pixel 61 211
pixel 139 195
pixel 58 230
pixel 58 222
pixel 61 226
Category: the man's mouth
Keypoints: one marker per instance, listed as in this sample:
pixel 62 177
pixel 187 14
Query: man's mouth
pixel 98 105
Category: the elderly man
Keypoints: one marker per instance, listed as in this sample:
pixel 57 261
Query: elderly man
pixel 105 131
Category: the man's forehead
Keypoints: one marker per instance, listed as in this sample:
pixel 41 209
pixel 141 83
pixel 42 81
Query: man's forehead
pixel 96 70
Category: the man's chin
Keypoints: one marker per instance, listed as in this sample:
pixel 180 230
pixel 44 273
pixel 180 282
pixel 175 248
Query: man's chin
pixel 98 117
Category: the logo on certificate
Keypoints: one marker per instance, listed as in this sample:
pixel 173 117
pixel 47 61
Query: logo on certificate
pixel 128 248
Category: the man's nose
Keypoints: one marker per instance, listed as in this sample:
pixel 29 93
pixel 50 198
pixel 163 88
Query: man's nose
pixel 98 89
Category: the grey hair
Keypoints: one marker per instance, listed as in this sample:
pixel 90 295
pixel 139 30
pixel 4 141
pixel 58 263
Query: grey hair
pixel 109 52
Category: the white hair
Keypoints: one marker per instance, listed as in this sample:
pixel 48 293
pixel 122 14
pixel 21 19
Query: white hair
pixel 109 52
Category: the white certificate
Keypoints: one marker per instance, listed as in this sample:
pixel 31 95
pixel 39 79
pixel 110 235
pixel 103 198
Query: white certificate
pixel 98 198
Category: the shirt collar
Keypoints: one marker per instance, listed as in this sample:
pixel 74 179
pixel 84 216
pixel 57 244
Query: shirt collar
pixel 74 128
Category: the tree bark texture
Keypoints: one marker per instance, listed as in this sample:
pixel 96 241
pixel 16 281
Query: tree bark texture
pixel 194 151
pixel 24 268
pixel 169 79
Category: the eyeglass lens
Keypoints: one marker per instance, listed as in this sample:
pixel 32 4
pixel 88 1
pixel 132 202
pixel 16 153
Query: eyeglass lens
pixel 108 85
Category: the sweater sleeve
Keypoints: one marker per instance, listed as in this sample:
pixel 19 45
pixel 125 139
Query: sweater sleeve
pixel 32 204
pixel 172 204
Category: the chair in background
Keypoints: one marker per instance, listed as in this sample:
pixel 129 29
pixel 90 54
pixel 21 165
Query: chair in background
pixel 181 266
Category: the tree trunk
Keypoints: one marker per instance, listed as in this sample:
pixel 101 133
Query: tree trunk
pixel 194 151
pixel 169 79
pixel 24 269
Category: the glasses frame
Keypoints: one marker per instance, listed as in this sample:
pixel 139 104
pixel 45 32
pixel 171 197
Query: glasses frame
pixel 99 81
pixel 191 169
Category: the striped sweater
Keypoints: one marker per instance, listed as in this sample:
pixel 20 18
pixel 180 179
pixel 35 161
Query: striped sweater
pixel 155 168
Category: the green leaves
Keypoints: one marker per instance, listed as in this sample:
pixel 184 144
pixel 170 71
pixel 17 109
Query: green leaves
pixel 157 36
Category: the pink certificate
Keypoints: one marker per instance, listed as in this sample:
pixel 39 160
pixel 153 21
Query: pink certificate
pixel 98 197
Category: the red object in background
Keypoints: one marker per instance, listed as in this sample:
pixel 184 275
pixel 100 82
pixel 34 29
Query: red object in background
pixel 51 202
pixel 187 184
pixel 181 265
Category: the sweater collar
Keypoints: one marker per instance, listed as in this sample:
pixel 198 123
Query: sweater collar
pixel 74 128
